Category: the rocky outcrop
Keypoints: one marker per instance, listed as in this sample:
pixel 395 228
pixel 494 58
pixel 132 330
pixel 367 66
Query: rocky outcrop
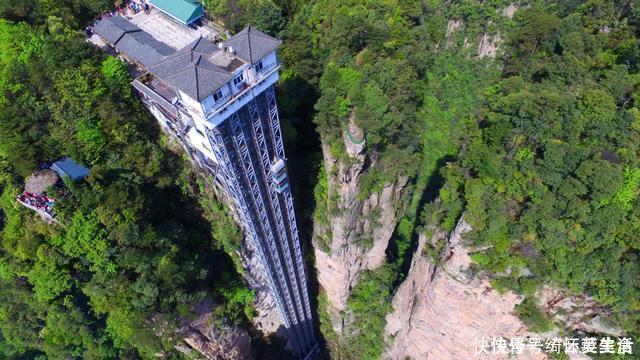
pixel 452 26
pixel 576 311
pixel 489 45
pixel 443 306
pixel 510 11
pixel 357 230
pixel 203 337
pixel 439 310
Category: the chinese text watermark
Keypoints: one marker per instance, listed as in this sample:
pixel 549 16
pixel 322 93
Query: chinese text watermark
pixel 588 345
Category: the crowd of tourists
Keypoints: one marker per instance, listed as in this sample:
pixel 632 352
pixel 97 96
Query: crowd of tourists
pixel 132 7
pixel 126 9
pixel 38 202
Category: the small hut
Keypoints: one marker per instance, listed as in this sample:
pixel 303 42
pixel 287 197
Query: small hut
pixel 68 167
pixel 34 195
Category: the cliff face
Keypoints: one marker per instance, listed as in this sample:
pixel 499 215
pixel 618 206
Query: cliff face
pixel 439 310
pixel 489 44
pixel 576 311
pixel 267 319
pixel 203 338
pixel 442 307
pixel 357 231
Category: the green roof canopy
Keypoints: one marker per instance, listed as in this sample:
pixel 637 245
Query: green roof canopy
pixel 185 11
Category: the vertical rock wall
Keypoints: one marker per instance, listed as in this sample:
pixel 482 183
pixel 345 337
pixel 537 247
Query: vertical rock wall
pixel 439 310
pixel 267 319
pixel 443 306
pixel 358 230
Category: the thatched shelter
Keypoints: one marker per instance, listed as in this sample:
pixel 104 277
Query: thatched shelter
pixel 39 181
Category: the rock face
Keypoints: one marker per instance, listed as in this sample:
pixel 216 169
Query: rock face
pixel 267 319
pixel 439 310
pixel 357 231
pixel 204 338
pixel 579 312
pixel 489 45
pixel 442 307
pixel 510 10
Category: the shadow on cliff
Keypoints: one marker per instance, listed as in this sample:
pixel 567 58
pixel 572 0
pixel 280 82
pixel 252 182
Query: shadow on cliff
pixel 296 98
pixel 401 247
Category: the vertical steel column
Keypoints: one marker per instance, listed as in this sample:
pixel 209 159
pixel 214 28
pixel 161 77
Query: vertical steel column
pixel 290 212
pixel 233 188
pixel 259 201
pixel 261 144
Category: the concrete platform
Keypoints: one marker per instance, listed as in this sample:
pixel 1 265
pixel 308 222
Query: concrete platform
pixel 169 31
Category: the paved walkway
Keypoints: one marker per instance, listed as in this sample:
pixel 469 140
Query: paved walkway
pixel 169 31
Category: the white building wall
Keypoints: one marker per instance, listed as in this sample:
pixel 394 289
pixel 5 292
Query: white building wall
pixel 241 70
pixel 159 116
pixel 268 79
pixel 200 111
pixel 268 62
pixel 209 103
pixel 201 143
pixel 193 105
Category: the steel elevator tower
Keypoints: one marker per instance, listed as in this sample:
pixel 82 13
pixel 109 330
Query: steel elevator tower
pixel 218 100
pixel 250 142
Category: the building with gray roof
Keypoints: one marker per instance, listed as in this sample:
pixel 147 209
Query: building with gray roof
pixel 252 44
pixel 199 69
pixel 190 71
pixel 131 41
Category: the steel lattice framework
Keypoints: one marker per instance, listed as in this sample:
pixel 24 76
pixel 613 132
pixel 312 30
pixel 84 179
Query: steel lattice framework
pixel 246 145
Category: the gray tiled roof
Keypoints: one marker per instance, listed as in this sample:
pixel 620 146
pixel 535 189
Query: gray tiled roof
pixel 130 40
pixel 203 46
pixel 189 70
pixel 123 23
pixel 108 30
pixel 261 44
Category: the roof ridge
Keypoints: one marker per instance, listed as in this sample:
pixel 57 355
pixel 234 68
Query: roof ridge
pixel 197 84
pixel 196 43
pixel 257 32
pixel 215 68
pixel 120 37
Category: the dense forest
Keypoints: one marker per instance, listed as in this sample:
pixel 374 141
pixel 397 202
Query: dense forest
pixel 550 176
pixel 137 246
pixel 537 147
